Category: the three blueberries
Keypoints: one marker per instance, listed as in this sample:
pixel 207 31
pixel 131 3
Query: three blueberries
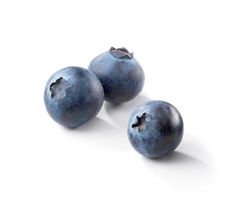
pixel 75 95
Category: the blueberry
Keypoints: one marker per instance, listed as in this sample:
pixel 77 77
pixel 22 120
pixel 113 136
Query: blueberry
pixel 155 129
pixel 120 74
pixel 73 96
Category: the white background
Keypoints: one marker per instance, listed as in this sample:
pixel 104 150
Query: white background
pixel 187 50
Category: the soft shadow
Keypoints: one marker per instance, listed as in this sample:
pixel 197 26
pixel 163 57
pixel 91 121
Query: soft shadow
pixel 176 158
pixel 120 113
pixel 100 134
pixel 95 125
pixel 195 147
pixel 181 170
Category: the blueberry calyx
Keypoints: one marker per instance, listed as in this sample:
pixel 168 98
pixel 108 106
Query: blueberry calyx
pixel 121 53
pixel 58 88
pixel 140 122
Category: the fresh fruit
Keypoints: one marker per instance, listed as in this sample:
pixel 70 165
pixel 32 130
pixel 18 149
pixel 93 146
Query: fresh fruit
pixel 73 96
pixel 155 129
pixel 120 74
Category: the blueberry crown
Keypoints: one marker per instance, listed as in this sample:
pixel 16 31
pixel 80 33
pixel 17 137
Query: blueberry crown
pixel 121 53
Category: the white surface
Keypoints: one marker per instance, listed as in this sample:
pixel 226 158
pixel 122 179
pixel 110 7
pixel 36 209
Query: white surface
pixel 188 51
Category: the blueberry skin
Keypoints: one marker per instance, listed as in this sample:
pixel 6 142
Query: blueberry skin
pixel 155 129
pixel 73 96
pixel 120 74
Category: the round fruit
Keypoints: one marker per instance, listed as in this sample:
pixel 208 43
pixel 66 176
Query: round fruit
pixel 155 129
pixel 120 74
pixel 73 96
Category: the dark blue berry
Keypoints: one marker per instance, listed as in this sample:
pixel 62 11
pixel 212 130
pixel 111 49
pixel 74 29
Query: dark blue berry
pixel 73 96
pixel 120 74
pixel 155 129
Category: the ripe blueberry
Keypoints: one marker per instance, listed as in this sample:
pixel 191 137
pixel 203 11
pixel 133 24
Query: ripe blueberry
pixel 120 74
pixel 73 96
pixel 155 129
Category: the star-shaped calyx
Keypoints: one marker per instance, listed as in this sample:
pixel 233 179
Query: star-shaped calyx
pixel 140 122
pixel 121 53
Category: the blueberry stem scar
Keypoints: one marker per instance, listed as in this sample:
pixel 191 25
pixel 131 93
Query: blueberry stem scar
pixel 121 53
pixel 53 85
pixel 140 120
pixel 58 88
